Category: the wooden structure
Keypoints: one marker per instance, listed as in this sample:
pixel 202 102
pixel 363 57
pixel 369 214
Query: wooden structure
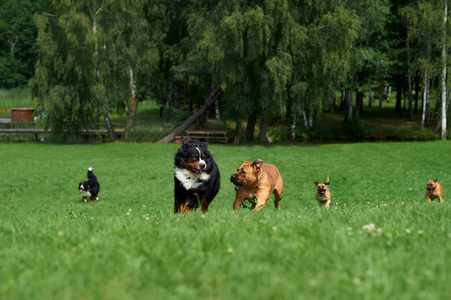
pixel 209 135
pixel 37 132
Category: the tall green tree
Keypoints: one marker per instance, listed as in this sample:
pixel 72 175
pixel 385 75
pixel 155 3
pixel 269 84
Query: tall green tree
pixel 371 62
pixel 91 56
pixel 246 45
pixel 18 34
pixel 131 31
pixel 428 30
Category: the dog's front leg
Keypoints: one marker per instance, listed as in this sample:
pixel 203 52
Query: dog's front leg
pixel 262 197
pixel 237 203
pixel 327 203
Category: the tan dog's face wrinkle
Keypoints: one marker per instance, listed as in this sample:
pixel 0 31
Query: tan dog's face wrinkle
pixel 321 188
pixel 245 175
pixel 431 186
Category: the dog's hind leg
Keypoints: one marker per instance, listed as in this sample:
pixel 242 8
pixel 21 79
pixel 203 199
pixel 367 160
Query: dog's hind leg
pixel 183 207
pixel 204 205
pixel 278 196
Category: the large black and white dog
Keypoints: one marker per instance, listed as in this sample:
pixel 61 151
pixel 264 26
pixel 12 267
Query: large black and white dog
pixel 89 189
pixel 196 177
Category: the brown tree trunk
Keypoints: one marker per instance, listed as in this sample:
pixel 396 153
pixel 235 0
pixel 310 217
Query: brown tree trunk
pixel 358 104
pixel 263 130
pixel 251 120
pixel 169 100
pixel 179 130
pixel 399 85
pixel 334 102
pixel 133 102
pixel 109 126
pixel 348 106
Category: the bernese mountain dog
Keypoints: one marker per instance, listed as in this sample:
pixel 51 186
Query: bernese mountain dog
pixel 89 189
pixel 196 177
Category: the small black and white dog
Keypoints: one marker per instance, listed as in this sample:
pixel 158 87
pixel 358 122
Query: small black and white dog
pixel 196 177
pixel 89 189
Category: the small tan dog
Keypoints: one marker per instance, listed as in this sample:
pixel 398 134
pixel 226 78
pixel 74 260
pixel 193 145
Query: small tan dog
pixel 258 181
pixel 323 193
pixel 433 190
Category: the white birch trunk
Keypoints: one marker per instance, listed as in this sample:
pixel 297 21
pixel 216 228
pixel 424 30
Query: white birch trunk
pixel 349 106
pixel 133 100
pixel 218 115
pixel 132 82
pixel 389 92
pixel 103 109
pixel 443 114
pixel 293 126
pixel 304 116
pixel 409 79
pixel 425 96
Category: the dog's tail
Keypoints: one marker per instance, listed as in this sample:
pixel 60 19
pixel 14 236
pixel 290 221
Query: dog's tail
pixel 90 173
pixel 327 178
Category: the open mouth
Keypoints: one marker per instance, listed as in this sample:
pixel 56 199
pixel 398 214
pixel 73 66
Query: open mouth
pixel 195 171
pixel 321 191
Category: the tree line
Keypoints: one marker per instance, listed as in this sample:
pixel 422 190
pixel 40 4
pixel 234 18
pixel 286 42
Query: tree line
pixel 254 60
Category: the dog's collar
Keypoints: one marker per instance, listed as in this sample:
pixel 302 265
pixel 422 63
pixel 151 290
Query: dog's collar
pixel 255 183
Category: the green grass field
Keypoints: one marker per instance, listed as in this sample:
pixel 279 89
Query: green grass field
pixel 130 245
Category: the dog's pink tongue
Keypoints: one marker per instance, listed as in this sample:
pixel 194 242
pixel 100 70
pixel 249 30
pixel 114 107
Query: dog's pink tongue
pixel 81 191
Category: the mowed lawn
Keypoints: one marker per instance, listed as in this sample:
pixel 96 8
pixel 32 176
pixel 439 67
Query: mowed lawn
pixel 130 245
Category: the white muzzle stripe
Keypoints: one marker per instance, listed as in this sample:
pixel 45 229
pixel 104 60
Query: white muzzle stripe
pixel 202 164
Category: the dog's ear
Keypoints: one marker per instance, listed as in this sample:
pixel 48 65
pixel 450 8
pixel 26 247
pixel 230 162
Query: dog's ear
pixel 202 140
pixel 316 183
pixel 185 142
pixel 326 183
pixel 435 180
pixel 257 164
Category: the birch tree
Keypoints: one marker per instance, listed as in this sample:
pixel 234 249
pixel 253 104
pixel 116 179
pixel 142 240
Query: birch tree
pixel 444 67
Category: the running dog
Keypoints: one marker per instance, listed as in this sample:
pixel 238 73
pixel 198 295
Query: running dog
pixel 323 193
pixel 89 189
pixel 257 180
pixel 196 177
pixel 434 190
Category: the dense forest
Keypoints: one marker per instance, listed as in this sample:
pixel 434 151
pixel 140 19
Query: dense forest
pixel 251 60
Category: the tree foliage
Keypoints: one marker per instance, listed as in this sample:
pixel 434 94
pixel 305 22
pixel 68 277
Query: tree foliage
pixel 279 60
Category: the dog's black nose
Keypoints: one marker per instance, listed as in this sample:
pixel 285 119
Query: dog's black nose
pixel 202 166
pixel 233 177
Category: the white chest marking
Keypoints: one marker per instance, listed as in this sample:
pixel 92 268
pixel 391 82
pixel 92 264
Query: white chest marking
pixel 189 180
pixel 85 194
